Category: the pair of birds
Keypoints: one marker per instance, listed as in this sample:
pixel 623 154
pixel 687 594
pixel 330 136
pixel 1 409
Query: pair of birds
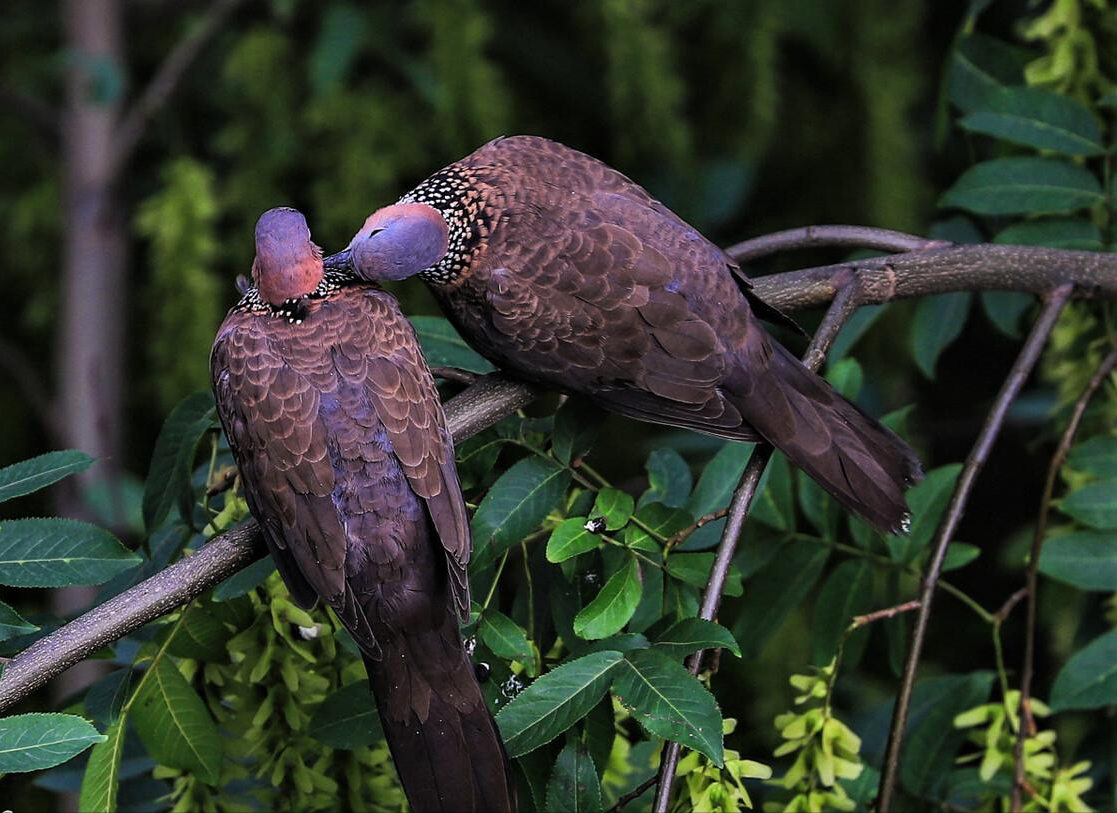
pixel 558 269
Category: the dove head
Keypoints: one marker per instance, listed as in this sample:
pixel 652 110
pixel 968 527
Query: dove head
pixel 397 242
pixel 288 265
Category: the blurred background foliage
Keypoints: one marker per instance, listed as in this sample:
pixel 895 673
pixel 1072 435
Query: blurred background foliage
pixel 745 117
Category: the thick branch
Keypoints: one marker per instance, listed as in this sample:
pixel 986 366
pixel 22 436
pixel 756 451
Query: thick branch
pixel 486 402
pixel 1021 369
pixel 983 267
pixel 929 271
pixel 166 79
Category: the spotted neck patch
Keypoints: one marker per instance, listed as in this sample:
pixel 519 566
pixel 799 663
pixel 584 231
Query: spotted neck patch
pixel 468 221
pixel 294 310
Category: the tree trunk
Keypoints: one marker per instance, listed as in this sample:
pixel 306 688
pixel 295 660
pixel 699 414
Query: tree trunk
pixel 90 332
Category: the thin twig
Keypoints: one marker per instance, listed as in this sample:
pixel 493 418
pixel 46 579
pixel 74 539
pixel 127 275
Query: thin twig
pixel 166 80
pixel 1027 724
pixel 844 304
pixel 1006 609
pixel 880 615
pixel 1021 369
pixel 823 236
pixel 632 795
pixel 466 414
pixel 677 539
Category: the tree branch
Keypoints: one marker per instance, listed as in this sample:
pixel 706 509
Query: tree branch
pixel 929 271
pixel 486 402
pixel 827 236
pixel 984 267
pixel 1021 369
pixel 843 306
pixel 166 80
pixel 1027 727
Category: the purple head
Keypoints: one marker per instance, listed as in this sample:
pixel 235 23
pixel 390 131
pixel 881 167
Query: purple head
pixel 397 242
pixel 288 265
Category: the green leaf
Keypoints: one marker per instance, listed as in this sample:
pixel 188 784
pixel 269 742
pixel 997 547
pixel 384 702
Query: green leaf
pixel 39 472
pixel 574 785
pixel 933 741
pixel 569 539
pixel 660 519
pixel 958 555
pixel 101 782
pixel 669 702
pixel 1004 309
pixel 59 553
pixel 504 636
pixel 927 500
pixel 577 424
pixel 174 724
pixel 846 376
pixel 12 624
pixel 444 347
pixel 168 476
pixel 614 506
pixel 692 634
pixel 774 504
pixel 600 732
pixel 1061 232
pixel 613 606
pixel 847 591
pixel 556 701
pixel 1096 456
pixel 1094 504
pixel 347 719
pixel 32 742
pixel 1020 186
pixel 937 323
pixel 980 67
pixel 1089 678
pixel 854 328
pixel 105 698
pixel 199 635
pixel 1038 118
pixel 818 506
pixel 718 479
pixel 245 581
pixel 516 505
pixel 694 569
pixel 776 590
pixel 669 479
pixel 1086 560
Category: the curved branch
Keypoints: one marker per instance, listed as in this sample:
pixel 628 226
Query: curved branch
pixel 482 405
pixel 822 236
pixel 927 271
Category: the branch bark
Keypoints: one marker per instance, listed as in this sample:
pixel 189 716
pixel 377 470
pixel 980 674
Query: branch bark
pixel 1021 369
pixel 905 275
pixel 844 304
pixel 476 408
